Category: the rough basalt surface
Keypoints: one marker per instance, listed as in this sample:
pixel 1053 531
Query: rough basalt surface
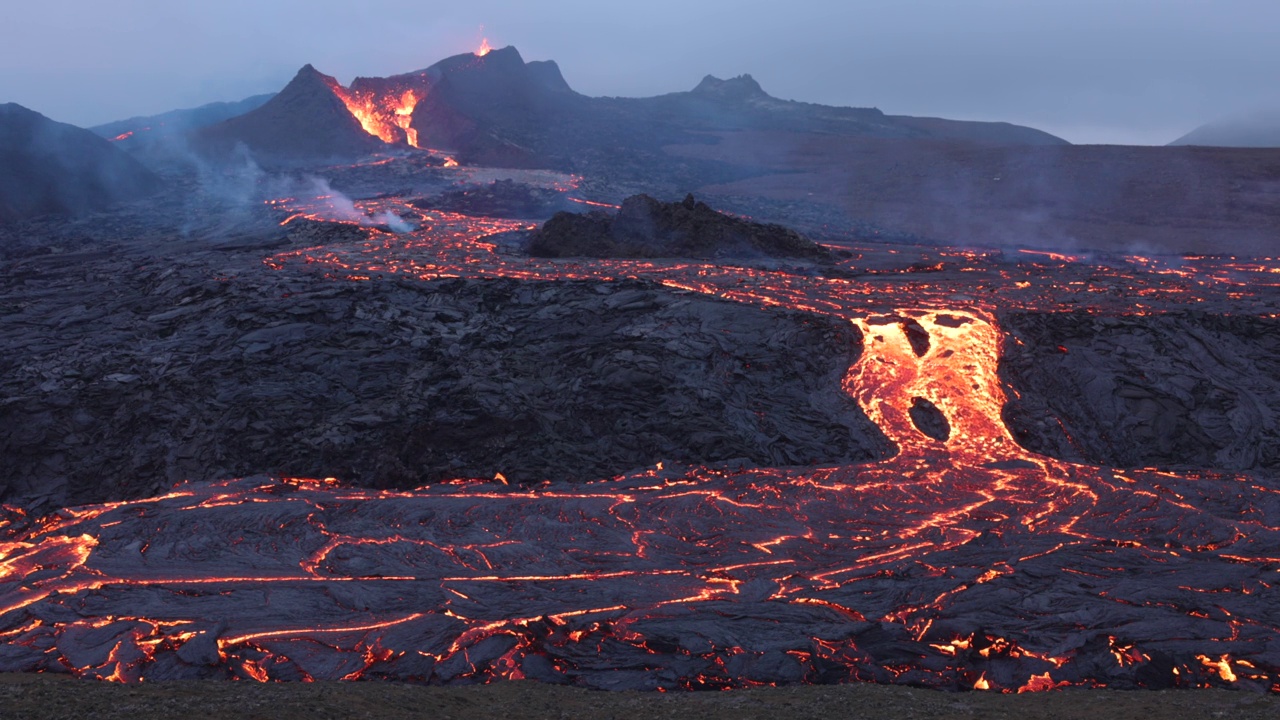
pixel 1182 389
pixel 170 372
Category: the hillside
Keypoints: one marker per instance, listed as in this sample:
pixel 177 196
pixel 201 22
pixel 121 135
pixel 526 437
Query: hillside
pixel 1255 130
pixel 306 123
pixel 48 167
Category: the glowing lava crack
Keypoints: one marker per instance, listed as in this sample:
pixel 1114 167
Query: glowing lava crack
pixel 965 563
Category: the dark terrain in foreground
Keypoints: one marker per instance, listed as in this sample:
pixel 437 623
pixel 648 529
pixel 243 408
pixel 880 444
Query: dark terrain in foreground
pixel 38 697
pixel 182 373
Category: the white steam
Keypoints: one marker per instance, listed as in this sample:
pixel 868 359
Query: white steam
pixel 338 206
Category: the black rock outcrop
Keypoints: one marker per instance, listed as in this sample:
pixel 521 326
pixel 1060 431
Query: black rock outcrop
pixel 929 420
pixel 49 167
pixel 743 87
pixel 647 228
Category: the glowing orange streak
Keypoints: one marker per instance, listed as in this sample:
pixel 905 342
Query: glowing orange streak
pixel 238 639
pixel 565 577
pixel 71 552
pixel 1053 256
pixel 1222 666
pixel 853 614
pixel 592 203
pixel 1041 683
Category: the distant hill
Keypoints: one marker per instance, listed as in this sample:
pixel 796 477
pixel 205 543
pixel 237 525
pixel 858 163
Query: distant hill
pixel 1257 130
pixel 307 122
pixel 137 130
pixel 498 108
pixel 48 167
pixel 1058 197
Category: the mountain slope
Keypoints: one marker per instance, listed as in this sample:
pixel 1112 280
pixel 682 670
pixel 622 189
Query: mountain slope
pixel 139 129
pixel 48 167
pixel 1257 130
pixel 500 108
pixel 307 122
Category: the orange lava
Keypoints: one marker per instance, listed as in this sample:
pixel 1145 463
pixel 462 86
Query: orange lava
pixel 386 117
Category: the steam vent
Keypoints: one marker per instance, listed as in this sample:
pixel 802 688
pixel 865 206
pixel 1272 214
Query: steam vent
pixel 460 376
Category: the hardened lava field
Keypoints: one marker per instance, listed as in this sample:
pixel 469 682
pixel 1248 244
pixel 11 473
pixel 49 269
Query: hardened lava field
pixel 960 560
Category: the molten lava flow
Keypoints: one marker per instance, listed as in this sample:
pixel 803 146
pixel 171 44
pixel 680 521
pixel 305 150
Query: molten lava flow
pixel 385 116
pixel 963 562
pixel 404 116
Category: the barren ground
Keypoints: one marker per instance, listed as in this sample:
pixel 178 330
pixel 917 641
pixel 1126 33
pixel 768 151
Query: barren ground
pixel 43 696
pixel 1098 197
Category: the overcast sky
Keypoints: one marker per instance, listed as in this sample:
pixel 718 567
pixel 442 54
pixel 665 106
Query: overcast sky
pixel 1117 71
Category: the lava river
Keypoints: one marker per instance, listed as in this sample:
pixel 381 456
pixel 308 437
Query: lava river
pixel 963 562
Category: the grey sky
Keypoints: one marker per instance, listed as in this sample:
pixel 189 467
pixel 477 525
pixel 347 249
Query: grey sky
pixel 1125 71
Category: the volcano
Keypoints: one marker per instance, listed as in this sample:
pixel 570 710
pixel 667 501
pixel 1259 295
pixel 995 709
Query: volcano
pixel 48 167
pixel 306 123
pixel 496 109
